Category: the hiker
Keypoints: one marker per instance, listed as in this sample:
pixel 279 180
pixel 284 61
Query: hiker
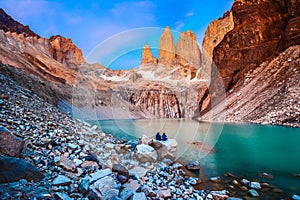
pixel 158 137
pixel 164 137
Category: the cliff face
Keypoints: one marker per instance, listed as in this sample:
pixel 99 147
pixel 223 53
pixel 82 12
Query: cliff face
pixel 166 48
pixel 182 59
pixel 187 50
pixel 260 82
pixel 31 54
pixel 65 52
pixel 147 57
pixel 259 30
pixel 215 33
pixel 159 101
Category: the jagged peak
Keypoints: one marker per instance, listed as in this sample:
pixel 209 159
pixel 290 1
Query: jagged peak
pixel 8 24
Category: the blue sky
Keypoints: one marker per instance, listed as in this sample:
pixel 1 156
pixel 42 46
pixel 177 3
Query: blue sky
pixel 89 23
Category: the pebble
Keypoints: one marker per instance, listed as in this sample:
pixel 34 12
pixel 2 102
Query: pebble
pixel 61 180
pixel 255 185
pixel 245 181
pixel 296 197
pixel 193 165
pixel 215 179
pixel 253 193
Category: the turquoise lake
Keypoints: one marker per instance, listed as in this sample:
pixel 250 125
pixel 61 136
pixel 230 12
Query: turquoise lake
pixel 242 149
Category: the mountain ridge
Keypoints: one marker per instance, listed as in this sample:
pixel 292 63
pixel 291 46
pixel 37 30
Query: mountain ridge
pixel 168 86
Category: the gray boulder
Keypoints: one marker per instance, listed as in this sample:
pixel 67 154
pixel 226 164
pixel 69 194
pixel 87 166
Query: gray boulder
pixel 10 144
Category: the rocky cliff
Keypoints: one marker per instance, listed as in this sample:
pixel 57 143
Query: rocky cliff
pixel 166 48
pixel 147 57
pixel 261 29
pixel 182 59
pixel 215 33
pixel 65 52
pixel 245 44
pixel 257 78
pixel 187 50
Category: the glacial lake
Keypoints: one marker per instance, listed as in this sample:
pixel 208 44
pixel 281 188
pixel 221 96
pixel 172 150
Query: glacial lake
pixel 242 149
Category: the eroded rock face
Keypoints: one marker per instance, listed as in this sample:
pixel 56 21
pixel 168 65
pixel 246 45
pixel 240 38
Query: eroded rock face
pixel 216 31
pixel 166 48
pixel 160 102
pixel 259 28
pixel 65 52
pixel 147 57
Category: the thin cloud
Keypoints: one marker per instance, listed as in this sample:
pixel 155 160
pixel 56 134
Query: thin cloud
pixel 190 13
pixel 22 10
pixel 179 25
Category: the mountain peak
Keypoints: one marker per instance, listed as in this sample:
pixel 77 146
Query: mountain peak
pixel 7 23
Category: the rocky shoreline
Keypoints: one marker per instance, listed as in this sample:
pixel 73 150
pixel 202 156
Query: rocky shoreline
pixel 64 158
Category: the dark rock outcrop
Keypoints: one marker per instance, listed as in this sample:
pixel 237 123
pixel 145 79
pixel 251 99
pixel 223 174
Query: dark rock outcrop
pixel 14 169
pixel 8 24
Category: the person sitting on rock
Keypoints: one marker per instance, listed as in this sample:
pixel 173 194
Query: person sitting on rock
pixel 164 137
pixel 158 137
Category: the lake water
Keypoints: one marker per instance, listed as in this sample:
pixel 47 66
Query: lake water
pixel 242 149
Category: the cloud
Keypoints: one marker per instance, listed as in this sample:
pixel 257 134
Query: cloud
pixel 25 9
pixel 190 13
pixel 179 25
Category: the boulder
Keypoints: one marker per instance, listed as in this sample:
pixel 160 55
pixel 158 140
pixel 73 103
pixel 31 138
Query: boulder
pixel 146 153
pixel 67 164
pixel 296 197
pixel 104 188
pixel 132 185
pixel 193 165
pixel 10 144
pixel 126 193
pixel 84 186
pixel 253 193
pixel 138 171
pixel 89 164
pixel 138 196
pixel 220 195
pixel 255 185
pixel 168 149
pixel 164 193
pixel 122 172
pixel 14 169
pixel 99 174
pixel 144 139
pixel 61 180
